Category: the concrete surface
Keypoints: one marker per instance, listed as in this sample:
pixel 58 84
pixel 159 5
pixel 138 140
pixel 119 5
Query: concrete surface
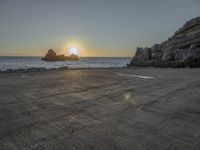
pixel 101 109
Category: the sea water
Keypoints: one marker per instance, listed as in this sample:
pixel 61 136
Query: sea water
pixel 84 62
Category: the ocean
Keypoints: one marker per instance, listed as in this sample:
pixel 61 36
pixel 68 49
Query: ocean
pixel 84 62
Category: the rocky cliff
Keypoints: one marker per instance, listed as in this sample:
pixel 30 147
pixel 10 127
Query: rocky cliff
pixel 181 50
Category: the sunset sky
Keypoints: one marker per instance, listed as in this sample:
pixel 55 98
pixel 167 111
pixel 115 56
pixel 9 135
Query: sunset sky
pixel 95 27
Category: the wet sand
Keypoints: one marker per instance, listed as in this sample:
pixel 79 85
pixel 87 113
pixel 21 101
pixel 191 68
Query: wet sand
pixel 101 109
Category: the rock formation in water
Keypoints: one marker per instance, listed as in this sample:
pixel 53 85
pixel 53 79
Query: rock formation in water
pixel 181 50
pixel 51 56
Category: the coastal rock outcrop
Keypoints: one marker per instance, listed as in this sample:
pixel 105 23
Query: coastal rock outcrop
pixel 181 50
pixel 52 56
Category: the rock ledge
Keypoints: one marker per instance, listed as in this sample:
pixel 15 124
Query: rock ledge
pixel 181 50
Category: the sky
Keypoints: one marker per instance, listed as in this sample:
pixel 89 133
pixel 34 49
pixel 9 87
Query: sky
pixel 109 28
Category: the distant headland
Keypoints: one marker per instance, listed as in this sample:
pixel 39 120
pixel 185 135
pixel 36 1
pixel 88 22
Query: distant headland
pixel 52 56
pixel 181 50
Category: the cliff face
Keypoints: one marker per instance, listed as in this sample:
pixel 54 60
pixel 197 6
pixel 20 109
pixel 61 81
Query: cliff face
pixel 181 50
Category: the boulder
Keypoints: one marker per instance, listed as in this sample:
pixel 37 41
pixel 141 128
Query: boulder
pixel 51 53
pixel 52 56
pixel 73 57
pixel 180 50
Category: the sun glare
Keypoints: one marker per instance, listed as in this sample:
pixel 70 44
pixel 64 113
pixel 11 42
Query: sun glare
pixel 73 50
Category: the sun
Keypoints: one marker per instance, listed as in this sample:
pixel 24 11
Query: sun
pixel 73 50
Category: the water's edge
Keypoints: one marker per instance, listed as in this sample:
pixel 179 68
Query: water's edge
pixel 34 64
pixel 32 70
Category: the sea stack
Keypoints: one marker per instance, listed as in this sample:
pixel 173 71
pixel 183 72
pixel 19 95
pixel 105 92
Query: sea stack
pixel 181 50
pixel 52 56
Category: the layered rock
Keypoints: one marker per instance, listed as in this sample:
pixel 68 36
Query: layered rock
pixel 52 56
pixel 181 50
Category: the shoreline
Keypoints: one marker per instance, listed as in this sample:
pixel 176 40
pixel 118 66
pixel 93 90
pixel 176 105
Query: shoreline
pixel 35 70
pixel 31 70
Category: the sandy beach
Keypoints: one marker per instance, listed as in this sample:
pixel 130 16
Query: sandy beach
pixel 101 109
